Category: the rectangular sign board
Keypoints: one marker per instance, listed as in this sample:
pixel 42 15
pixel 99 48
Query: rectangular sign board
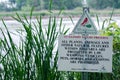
pixel 85 53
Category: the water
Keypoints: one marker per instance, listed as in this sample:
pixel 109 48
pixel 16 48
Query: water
pixel 13 26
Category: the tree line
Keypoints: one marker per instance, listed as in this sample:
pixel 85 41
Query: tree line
pixel 57 4
pixel 102 4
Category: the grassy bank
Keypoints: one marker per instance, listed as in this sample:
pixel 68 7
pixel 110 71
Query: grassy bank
pixel 74 12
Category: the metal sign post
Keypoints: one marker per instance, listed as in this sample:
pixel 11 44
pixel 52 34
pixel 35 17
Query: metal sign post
pixel 84 75
pixel 85 26
pixel 84 50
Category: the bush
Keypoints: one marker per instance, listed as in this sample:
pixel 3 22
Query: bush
pixel 114 30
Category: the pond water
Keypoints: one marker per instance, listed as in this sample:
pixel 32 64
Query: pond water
pixel 14 26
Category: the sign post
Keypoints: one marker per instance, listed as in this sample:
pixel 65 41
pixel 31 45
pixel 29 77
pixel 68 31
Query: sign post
pixel 85 26
pixel 87 52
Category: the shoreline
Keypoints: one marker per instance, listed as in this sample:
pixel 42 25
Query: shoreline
pixel 61 16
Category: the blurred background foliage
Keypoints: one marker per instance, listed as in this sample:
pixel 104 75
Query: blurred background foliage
pixel 13 5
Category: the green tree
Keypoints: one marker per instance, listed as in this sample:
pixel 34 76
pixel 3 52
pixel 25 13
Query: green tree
pixel 66 4
pixel 60 4
pixel 117 3
pixel 98 4
pixel 3 7
pixel 20 3
pixel 41 4
pixel 12 1
pixel 101 4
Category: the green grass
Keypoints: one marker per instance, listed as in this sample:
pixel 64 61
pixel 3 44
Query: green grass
pixel 75 12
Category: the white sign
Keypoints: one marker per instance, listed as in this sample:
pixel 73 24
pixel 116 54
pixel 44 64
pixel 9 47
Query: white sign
pixel 85 25
pixel 85 53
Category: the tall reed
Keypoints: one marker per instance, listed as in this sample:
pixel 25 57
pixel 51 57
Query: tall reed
pixel 35 58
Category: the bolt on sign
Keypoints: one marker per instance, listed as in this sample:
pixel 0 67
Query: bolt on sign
pixel 85 53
